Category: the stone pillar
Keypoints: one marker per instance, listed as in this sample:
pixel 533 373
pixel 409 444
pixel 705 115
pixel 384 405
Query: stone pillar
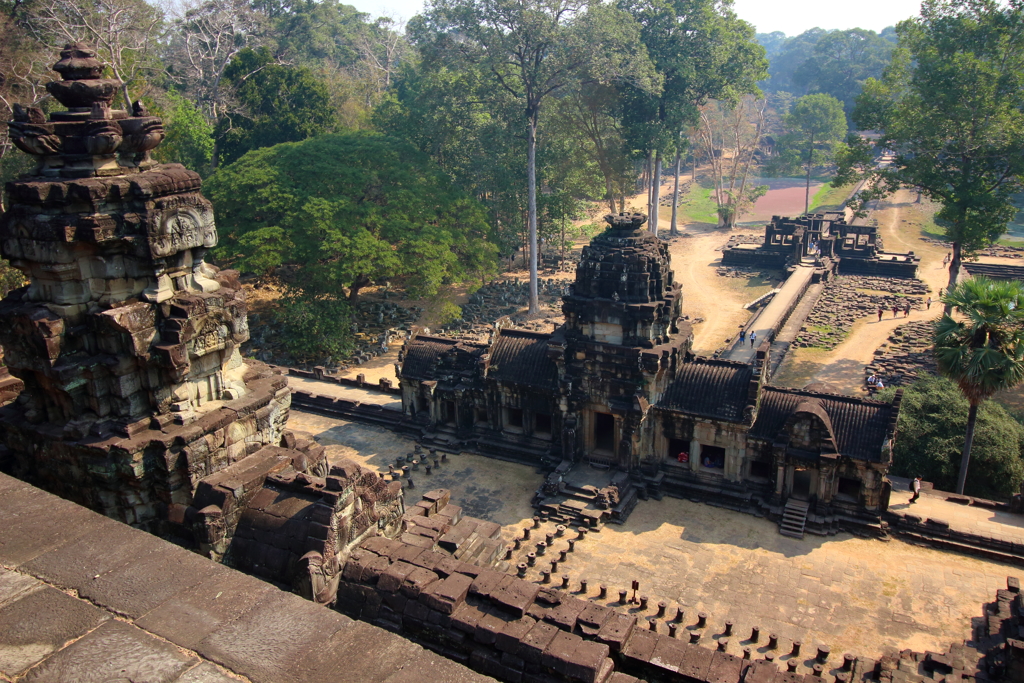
pixel 694 452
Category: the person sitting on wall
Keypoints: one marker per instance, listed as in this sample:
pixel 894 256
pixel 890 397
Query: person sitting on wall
pixel 872 380
pixel 683 456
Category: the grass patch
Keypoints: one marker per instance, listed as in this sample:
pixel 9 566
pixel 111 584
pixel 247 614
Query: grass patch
pixel 829 198
pixel 697 205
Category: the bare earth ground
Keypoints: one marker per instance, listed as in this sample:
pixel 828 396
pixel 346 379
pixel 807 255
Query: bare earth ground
pixel 856 595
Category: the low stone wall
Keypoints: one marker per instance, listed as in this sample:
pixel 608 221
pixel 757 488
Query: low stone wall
pixel 905 356
pixel 86 598
pixel 759 258
pixel 524 631
pixel 319 373
pixel 878 267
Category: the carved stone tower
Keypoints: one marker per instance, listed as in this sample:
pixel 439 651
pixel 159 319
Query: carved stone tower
pixel 623 340
pixel 624 293
pixel 126 340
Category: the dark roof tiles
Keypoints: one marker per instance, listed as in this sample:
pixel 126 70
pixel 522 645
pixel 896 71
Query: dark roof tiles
pixel 521 357
pixel 709 387
pixel 860 425
pixel 422 355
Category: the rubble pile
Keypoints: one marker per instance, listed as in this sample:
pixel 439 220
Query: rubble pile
pixel 847 299
pixel 905 356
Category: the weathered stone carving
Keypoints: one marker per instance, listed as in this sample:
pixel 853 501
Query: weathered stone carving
pixel 125 339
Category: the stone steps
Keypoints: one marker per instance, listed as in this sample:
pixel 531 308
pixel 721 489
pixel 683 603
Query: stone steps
pixel 794 518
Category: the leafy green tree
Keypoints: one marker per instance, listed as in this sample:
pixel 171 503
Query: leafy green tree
pixel 951 109
pixel 276 104
pixel 982 349
pixel 930 434
pixel 314 327
pixel 790 56
pixel 531 50
pixel 841 62
pixel 349 209
pixel 189 138
pixel 815 125
pixel 702 51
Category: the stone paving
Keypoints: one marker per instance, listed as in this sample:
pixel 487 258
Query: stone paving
pixel 969 518
pixel 351 393
pixel 858 595
pixel 86 599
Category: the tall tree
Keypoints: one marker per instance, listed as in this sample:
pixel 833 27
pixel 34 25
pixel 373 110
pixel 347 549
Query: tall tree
pixel 276 103
pixel 731 135
pixel 816 124
pixel 951 109
pixel 702 51
pixel 123 32
pixel 532 49
pixel 841 62
pixel 349 209
pixel 206 36
pixel 982 349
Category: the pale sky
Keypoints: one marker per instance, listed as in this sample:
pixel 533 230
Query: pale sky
pixel 792 17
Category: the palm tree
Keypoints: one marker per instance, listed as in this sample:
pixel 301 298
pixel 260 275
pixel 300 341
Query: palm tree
pixel 982 347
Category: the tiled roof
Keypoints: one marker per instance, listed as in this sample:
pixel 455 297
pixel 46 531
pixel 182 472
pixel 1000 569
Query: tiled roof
pixel 521 357
pixel 860 425
pixel 709 387
pixel 422 355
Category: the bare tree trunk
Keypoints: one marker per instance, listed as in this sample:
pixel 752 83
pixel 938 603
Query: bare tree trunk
pixel 656 193
pixel 954 272
pixel 972 418
pixel 531 189
pixel 675 193
pixel 807 192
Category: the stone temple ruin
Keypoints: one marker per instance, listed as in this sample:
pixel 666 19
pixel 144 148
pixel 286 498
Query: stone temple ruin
pixel 617 387
pixel 136 402
pixel 124 391
pixel 841 247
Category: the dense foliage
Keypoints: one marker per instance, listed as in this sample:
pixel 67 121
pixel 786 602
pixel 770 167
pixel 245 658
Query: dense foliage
pixel 930 436
pixel 951 109
pixel 350 209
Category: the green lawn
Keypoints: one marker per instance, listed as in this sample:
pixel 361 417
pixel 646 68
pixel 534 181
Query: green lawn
pixel 698 206
pixel 829 198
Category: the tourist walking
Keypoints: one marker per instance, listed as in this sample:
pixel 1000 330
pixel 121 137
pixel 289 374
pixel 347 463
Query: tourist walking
pixel 916 488
pixel 906 310
pixel 929 302
pixel 895 311
pixel 743 336
pixel 753 338
pixel 880 312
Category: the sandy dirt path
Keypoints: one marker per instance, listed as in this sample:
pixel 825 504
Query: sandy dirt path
pixel 843 367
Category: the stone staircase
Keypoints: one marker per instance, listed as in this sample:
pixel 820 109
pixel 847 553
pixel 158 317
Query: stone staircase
pixel 579 505
pixel 794 518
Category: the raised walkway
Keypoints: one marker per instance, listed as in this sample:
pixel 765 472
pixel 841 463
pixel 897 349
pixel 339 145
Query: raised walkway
pixel 84 598
pixel 773 316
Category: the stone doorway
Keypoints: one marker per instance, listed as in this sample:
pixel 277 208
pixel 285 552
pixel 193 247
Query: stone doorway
pixel 802 480
pixel 602 438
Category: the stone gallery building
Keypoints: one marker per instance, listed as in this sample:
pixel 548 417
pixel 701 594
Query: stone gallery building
pixel 617 387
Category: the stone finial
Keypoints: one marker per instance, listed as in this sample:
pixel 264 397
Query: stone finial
pixel 626 221
pixel 81 85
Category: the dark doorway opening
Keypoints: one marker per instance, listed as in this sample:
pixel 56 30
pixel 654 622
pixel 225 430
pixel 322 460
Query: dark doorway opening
pixel 802 484
pixel 515 417
pixel 678 450
pixel 481 415
pixel 849 487
pixel 448 412
pixel 604 432
pixel 542 424
pixel 761 469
